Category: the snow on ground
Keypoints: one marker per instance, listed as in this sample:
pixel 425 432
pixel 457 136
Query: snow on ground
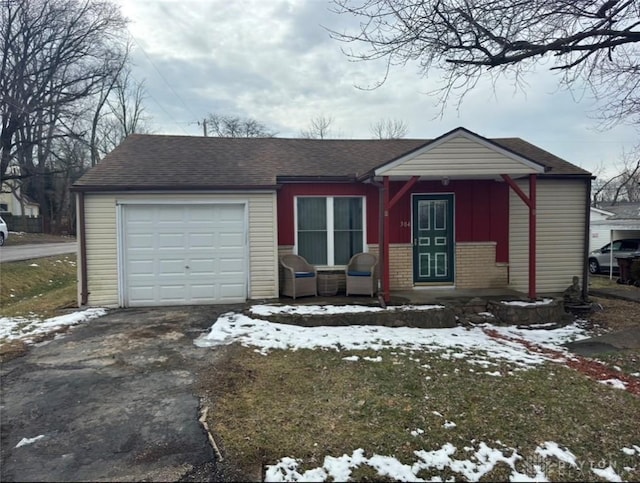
pixel 617 383
pixel 632 450
pixel 519 303
pixel 26 441
pixel 471 344
pixel 549 448
pixel 27 329
pixel 470 463
pixel 607 473
pixel 266 310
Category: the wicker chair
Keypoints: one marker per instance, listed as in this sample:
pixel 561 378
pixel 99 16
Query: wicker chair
pixel 299 277
pixel 361 274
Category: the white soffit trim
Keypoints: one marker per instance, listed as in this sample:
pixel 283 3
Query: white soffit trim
pixel 461 132
pixel 602 212
pixel 618 224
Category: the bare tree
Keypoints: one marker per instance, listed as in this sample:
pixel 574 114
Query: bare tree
pixel 319 127
pixel 128 106
pixel 70 159
pixel 219 125
pixel 389 129
pixel 126 113
pixel 56 55
pixel 107 85
pixel 624 186
pixel 596 41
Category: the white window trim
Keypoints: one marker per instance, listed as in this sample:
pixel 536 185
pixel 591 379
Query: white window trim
pixel 330 233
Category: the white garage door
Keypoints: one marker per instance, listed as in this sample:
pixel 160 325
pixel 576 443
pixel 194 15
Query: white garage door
pixel 184 254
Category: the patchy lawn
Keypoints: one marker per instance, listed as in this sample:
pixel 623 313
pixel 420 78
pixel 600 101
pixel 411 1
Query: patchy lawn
pixel 376 403
pixel 22 238
pixel 627 362
pixel 38 287
pixel 617 314
pixel 36 301
pixel 603 281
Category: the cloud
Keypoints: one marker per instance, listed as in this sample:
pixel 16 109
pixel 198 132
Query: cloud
pixel 275 61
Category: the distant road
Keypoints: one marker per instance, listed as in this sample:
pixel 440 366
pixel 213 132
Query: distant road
pixel 39 250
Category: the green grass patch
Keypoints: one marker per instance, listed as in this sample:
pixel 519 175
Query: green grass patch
pixel 603 281
pixel 627 361
pixel 41 286
pixel 22 238
pixel 309 404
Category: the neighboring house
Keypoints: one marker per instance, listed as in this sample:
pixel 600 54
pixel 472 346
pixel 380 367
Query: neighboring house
pixel 167 220
pixel 13 201
pixel 614 221
pixel 10 203
pixel 598 233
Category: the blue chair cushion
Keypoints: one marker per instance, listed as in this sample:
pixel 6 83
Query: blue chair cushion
pixel 354 273
pixel 304 274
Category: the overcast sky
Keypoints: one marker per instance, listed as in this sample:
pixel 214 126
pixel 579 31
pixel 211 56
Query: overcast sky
pixel 272 60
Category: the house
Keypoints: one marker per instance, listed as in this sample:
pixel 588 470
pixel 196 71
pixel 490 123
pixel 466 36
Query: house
pixel 13 201
pixel 167 220
pixel 612 221
pixel 598 235
pixel 18 205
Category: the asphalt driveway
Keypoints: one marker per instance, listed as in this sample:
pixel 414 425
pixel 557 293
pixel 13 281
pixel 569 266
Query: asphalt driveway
pixel 114 399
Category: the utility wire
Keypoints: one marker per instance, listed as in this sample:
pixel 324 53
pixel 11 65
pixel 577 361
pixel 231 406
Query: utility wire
pixel 166 83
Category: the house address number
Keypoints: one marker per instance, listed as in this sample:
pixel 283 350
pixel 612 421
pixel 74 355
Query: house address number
pixel 405 224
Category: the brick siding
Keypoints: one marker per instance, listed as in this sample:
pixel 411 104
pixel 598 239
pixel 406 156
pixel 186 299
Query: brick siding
pixel 476 266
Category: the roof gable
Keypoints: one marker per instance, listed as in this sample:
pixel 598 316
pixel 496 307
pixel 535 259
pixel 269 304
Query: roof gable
pixel 461 153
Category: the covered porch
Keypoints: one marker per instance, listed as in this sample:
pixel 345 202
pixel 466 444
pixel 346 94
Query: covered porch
pixel 447 205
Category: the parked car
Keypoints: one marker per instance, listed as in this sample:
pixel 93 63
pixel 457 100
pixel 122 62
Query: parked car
pixel 4 232
pixel 599 259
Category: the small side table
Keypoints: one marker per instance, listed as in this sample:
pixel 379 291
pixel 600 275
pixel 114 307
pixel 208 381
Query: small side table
pixel 327 284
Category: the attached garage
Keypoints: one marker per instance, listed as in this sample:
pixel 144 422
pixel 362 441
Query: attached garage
pixel 182 254
pixel 176 248
pixel 176 220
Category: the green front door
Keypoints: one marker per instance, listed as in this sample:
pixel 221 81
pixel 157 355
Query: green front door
pixel 433 238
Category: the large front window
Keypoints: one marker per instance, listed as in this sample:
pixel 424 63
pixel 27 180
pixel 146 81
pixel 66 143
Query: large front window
pixel 330 230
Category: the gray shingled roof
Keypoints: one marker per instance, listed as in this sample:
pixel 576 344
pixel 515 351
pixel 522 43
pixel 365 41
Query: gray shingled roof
pixel 189 162
pixel 623 210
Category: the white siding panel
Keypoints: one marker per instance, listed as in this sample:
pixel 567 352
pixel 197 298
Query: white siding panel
pixel 102 260
pixel 560 235
pixel 599 236
pixel 101 235
pixel 460 156
pixel 263 246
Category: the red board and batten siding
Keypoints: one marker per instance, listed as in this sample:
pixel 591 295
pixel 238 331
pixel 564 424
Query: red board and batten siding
pixel 481 210
pixel 286 201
